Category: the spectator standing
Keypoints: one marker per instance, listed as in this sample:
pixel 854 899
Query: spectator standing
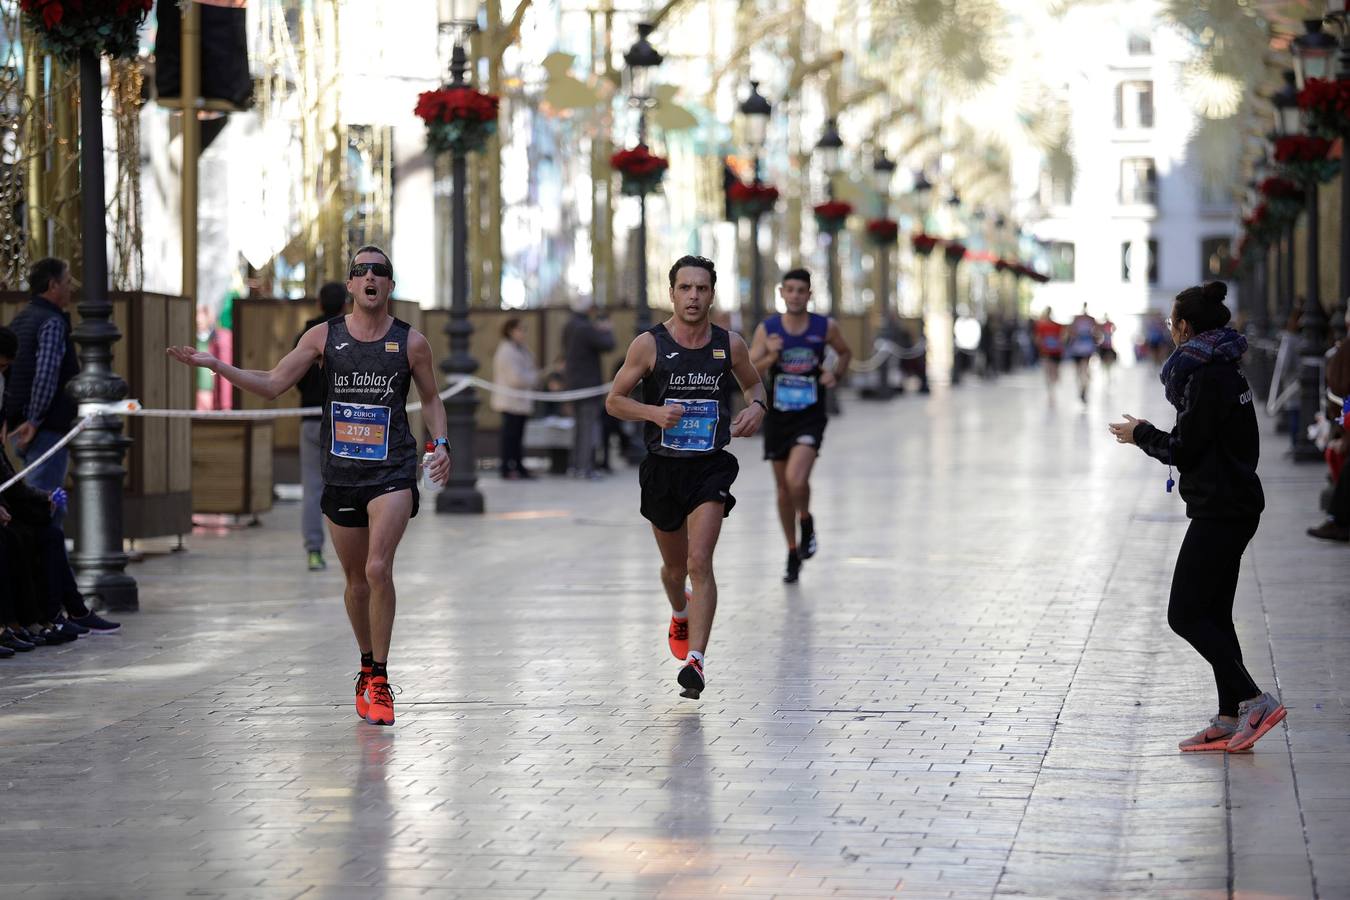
pixel 584 341
pixel 1337 525
pixel 37 409
pixel 513 366
pixel 314 392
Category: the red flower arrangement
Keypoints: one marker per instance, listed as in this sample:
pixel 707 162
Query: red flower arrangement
pixel 1283 197
pixel 924 244
pixel 955 251
pixel 107 27
pixel 1327 103
pixel 831 216
pixel 751 200
pixel 459 119
pixel 640 170
pixel 883 231
pixel 1304 159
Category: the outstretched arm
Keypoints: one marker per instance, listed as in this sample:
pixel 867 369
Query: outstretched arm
pixel 764 349
pixel 433 410
pixel 271 384
pixel 747 422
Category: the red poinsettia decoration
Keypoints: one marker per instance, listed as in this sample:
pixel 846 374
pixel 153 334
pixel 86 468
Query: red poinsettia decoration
pixel 1327 103
pixel 1304 159
pixel 924 244
pixel 883 231
pixel 955 251
pixel 107 27
pixel 641 170
pixel 751 200
pixel 459 119
pixel 831 216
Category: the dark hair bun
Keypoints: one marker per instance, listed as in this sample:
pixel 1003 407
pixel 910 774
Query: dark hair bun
pixel 1215 291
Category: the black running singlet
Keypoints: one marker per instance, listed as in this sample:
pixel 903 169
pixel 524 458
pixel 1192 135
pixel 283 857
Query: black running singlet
pixel 366 439
pixel 699 379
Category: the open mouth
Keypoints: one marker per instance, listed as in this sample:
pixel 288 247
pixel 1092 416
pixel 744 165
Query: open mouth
pixel 370 290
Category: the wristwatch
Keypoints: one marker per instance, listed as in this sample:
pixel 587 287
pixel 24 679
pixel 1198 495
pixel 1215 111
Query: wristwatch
pixel 761 404
pixel 442 442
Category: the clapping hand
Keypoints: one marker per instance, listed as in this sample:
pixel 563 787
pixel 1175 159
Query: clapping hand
pixel 1124 431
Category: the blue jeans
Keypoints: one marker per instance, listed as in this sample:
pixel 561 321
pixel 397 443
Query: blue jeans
pixel 52 474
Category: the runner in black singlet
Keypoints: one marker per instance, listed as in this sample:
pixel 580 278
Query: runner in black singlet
pixel 686 366
pixel 789 352
pixel 369 359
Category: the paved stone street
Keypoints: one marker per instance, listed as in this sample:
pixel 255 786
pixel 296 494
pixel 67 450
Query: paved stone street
pixel 972 692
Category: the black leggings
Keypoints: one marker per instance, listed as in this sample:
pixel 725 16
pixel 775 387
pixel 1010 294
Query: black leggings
pixel 512 443
pixel 1201 608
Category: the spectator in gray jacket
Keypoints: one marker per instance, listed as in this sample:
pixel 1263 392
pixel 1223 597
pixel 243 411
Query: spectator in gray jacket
pixel 584 341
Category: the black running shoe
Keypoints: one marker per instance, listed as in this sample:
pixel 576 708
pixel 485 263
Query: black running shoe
pixel 67 623
pixel 807 547
pixel 5 652
pixel 794 567
pixel 11 641
pixel 692 680
pixel 97 624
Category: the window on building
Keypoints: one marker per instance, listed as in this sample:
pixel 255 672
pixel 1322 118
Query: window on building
pixel 1056 190
pixel 1139 44
pixel 1134 104
pixel 1138 181
pixel 1060 254
pixel 1152 261
pixel 1126 261
pixel 1216 258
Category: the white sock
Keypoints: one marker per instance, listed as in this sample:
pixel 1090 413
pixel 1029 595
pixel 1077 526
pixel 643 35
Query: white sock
pixel 682 615
pixel 695 655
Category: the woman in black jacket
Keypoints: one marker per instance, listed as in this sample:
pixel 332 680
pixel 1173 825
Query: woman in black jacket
pixel 1214 448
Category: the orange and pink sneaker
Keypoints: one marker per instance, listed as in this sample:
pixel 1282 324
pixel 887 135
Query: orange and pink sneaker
pixel 1255 718
pixel 678 633
pixel 1215 737
pixel 363 692
pixel 381 711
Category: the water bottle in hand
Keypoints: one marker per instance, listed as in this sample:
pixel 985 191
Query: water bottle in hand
pixel 429 485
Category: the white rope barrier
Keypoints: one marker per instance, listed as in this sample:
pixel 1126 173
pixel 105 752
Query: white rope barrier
pixel 90 411
pixel 81 425
pixel 888 350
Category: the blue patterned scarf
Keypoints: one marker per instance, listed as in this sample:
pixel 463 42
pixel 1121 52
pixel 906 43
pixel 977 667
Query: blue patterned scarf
pixel 1219 343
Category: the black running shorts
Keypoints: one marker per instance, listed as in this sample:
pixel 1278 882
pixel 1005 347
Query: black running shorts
pixel 673 487
pixel 780 437
pixel 345 505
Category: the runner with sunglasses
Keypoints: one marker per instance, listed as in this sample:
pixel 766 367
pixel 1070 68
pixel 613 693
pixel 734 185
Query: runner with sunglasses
pixel 369 359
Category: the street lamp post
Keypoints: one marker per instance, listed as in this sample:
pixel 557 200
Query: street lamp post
pixel 1313 320
pixel 1336 12
pixel 953 288
pixel 640 60
pixel 883 169
pixel 829 149
pixel 756 111
pixel 461 494
pixel 99 560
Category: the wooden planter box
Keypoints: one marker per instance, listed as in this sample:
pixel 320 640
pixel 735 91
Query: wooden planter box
pixel 231 466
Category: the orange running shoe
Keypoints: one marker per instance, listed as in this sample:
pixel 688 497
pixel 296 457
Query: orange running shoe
pixel 381 710
pixel 363 691
pixel 678 634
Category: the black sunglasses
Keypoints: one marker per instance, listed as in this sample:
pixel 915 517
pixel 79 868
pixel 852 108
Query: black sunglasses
pixel 379 269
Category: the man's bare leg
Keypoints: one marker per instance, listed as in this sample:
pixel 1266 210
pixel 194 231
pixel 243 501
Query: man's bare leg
pixel 389 514
pixel 351 545
pixel 704 526
pixel 674 547
pixel 787 511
